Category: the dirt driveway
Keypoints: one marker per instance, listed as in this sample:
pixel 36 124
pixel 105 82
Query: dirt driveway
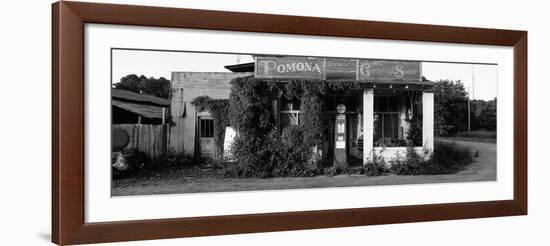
pixel 482 169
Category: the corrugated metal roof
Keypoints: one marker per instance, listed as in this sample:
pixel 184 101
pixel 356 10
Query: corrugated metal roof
pixel 148 111
pixel 132 96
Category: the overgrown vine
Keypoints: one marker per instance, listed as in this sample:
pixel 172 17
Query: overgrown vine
pixel 258 151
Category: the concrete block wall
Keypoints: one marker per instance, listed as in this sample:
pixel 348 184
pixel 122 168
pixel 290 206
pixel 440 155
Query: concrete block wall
pixel 187 86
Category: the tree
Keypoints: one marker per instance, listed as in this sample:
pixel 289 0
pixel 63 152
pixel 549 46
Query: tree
pixel 157 87
pixel 484 114
pixel 451 107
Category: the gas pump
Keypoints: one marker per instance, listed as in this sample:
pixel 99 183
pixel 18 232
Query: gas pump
pixel 340 153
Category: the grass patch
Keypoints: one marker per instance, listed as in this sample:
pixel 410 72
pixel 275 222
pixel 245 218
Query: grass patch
pixel 477 134
pixel 473 136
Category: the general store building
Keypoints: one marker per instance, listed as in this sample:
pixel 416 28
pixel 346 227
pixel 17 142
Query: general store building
pixel 378 114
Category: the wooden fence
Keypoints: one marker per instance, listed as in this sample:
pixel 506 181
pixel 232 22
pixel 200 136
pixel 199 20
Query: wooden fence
pixel 150 139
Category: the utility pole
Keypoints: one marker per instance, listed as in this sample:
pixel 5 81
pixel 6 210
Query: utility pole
pixel 469 109
pixel 473 96
pixel 473 84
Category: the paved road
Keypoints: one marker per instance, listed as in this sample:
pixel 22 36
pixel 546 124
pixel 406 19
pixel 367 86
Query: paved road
pixel 482 169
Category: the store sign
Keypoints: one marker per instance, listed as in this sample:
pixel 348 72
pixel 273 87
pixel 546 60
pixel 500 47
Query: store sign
pixel 375 70
pixel 341 69
pixel 290 67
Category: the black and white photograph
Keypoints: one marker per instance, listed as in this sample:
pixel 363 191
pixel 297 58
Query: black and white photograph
pixel 290 122
pixel 189 121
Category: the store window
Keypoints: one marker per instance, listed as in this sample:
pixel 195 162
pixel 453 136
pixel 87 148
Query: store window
pixel 290 113
pixel 386 121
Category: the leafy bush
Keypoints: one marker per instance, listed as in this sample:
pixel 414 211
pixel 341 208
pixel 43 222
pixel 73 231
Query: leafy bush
pixel 310 116
pixel 252 158
pixel 291 161
pixel 255 157
pixel 269 158
pixel 451 157
pixel 413 164
pixel 414 134
pixel 251 107
pixel 375 169
pixel 293 136
pixel 447 158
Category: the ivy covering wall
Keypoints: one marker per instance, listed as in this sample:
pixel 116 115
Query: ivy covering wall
pixel 258 149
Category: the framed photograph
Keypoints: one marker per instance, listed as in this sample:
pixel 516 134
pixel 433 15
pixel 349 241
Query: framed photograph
pixel 174 122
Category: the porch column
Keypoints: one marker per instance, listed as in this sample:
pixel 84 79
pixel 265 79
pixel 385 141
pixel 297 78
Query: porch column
pixel 428 120
pixel 368 125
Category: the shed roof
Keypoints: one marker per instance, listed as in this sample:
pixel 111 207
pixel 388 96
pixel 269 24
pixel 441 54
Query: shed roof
pixel 139 98
pixel 145 110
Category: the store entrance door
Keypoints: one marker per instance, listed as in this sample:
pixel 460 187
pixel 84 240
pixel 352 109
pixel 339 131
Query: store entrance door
pixel 206 137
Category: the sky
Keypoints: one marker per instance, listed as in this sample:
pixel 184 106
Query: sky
pixel 479 79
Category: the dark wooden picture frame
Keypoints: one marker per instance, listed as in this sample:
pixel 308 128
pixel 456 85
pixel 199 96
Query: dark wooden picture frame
pixel 68 223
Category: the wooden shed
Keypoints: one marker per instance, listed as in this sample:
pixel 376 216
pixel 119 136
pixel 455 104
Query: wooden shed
pixel 143 118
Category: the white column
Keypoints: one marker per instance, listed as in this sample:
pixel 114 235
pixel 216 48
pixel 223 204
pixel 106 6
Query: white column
pixel 428 120
pixel 368 125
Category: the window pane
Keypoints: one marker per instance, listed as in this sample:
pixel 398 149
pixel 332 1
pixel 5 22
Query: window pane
pixel 377 127
pixel 387 125
pixel 288 119
pixel 207 128
pixel 202 128
pixel 210 132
